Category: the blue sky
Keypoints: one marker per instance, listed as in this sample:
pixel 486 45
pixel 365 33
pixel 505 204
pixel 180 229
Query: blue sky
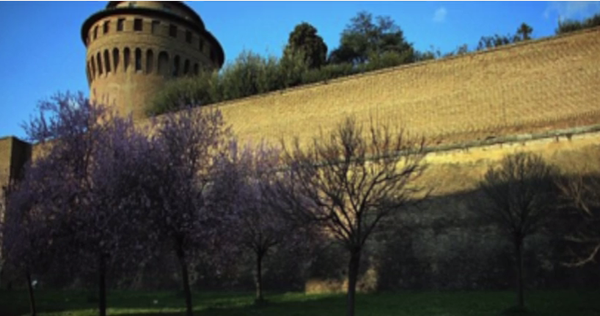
pixel 42 53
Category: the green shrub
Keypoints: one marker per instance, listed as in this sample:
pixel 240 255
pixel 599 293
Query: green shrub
pixel 572 25
pixel 251 74
pixel 204 89
pixel 329 72
pixel 388 60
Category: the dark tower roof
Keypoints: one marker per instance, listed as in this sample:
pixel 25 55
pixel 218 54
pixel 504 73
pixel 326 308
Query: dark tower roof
pixel 179 4
pixel 191 20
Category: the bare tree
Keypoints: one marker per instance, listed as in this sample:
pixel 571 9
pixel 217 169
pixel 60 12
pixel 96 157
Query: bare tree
pixel 260 226
pixel 519 198
pixel 582 193
pixel 350 182
pixel 242 182
pixel 185 146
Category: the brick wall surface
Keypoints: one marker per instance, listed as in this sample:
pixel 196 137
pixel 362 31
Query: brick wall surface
pixel 524 88
pixel 540 85
pixel 13 155
pixel 5 158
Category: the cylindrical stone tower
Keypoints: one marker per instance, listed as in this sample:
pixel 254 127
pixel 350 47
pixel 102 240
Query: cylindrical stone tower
pixel 134 47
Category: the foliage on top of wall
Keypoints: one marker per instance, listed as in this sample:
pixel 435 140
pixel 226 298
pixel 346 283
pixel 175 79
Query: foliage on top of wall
pixel 568 26
pixel 252 74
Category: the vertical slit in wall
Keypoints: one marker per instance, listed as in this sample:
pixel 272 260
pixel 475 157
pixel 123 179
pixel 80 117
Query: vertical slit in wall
pixel 116 59
pixel 107 60
pixel 163 63
pixel 138 59
pixel 126 56
pixel 99 60
pixel 176 66
pixel 149 61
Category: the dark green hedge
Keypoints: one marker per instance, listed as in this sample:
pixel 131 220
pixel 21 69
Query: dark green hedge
pixel 252 74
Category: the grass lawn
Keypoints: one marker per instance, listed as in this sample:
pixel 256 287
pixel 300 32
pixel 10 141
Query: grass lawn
pixel 547 303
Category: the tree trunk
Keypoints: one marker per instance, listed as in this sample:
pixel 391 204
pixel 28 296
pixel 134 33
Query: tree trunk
pixel 31 297
pixel 186 282
pixel 352 277
pixel 1 265
pixel 138 280
pixel 102 285
pixel 519 264
pixel 259 293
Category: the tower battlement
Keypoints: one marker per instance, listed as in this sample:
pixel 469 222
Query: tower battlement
pixel 134 47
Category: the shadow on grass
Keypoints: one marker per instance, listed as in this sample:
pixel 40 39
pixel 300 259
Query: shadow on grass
pixel 316 306
pixel 139 303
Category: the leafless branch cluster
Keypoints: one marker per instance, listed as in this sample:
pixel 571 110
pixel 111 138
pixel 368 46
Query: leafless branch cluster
pixel 582 194
pixel 350 181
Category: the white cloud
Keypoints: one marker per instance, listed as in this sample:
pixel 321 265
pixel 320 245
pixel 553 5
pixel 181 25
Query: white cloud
pixel 440 15
pixel 572 9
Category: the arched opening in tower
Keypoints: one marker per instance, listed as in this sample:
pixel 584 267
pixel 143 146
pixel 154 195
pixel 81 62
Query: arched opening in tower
pixel 138 59
pixel 99 60
pixel 149 61
pixel 107 60
pixel 116 59
pixel 176 66
pixel 126 57
pixel 88 72
pixel 186 67
pixel 163 63
pixel 93 63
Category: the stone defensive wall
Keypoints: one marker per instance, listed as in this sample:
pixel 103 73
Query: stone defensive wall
pixel 475 103
pixel 527 87
pixel 541 96
pixel 5 154
pixel 13 154
pixel 445 244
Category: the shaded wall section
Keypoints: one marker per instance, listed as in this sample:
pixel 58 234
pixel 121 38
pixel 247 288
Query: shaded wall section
pixel 14 153
pixel 445 244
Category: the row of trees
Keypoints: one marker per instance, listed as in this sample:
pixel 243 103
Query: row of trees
pixel 106 196
pixel 523 34
pixel 252 74
pixel 103 196
pixel 367 43
pixel 568 26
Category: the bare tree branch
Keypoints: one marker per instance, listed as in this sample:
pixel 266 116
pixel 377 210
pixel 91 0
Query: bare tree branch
pixel 581 194
pixel 349 181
